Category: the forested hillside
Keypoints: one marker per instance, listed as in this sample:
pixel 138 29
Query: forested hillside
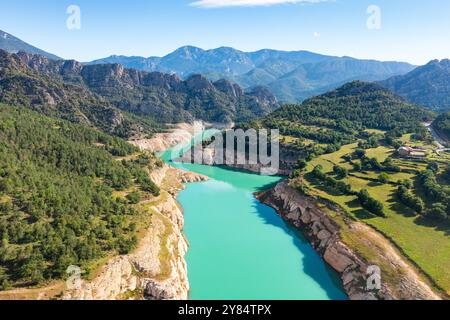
pixel 31 87
pixel 57 207
pixel 428 85
pixel 442 124
pixel 12 44
pixel 324 123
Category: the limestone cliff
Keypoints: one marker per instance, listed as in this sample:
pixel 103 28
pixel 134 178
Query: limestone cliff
pixel 156 270
pixel 344 244
pixel 180 134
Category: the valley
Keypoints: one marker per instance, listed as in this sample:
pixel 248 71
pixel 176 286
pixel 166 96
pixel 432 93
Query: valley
pixel 87 179
pixel 240 248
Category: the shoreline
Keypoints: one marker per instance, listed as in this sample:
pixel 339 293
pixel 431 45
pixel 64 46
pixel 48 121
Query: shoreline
pixel 325 234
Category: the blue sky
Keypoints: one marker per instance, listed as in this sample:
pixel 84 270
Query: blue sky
pixel 411 30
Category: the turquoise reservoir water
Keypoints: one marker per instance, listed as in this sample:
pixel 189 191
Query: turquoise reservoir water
pixel 241 249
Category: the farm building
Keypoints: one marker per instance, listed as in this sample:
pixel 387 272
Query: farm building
pixel 407 152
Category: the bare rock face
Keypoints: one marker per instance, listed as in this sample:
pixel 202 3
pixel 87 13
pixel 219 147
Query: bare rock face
pixel 263 96
pixel 324 235
pixel 71 67
pixel 229 88
pixel 116 278
pixel 198 82
pixel 181 134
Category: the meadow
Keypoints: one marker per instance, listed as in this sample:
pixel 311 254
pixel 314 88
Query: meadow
pixel 424 241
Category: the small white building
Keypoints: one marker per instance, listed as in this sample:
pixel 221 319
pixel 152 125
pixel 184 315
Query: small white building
pixel 405 151
pixel 408 152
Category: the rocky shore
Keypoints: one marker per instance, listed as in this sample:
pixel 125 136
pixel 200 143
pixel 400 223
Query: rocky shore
pixel 324 233
pixel 156 270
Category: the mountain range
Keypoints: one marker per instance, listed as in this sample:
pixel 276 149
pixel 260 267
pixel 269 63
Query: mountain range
pixel 428 85
pixel 120 100
pixel 291 76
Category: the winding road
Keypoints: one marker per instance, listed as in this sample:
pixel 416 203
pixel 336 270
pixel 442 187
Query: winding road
pixel 440 142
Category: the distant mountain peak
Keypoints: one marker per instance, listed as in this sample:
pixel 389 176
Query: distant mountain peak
pixel 428 85
pixel 187 51
pixel 225 49
pixel 439 63
pixel 12 44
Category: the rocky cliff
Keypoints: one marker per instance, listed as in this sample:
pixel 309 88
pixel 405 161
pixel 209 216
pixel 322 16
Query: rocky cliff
pixel 181 133
pixel 156 97
pixel 349 247
pixel 207 155
pixel 156 270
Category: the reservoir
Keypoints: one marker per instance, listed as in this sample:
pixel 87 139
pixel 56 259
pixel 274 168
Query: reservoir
pixel 241 249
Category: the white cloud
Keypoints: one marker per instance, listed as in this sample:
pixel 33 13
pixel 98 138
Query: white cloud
pixel 245 3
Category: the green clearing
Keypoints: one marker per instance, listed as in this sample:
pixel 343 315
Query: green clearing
pixel 381 153
pixel 375 131
pixel 327 161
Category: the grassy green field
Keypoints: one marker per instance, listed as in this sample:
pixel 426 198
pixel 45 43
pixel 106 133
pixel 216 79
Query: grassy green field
pixel 381 153
pixel 426 242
